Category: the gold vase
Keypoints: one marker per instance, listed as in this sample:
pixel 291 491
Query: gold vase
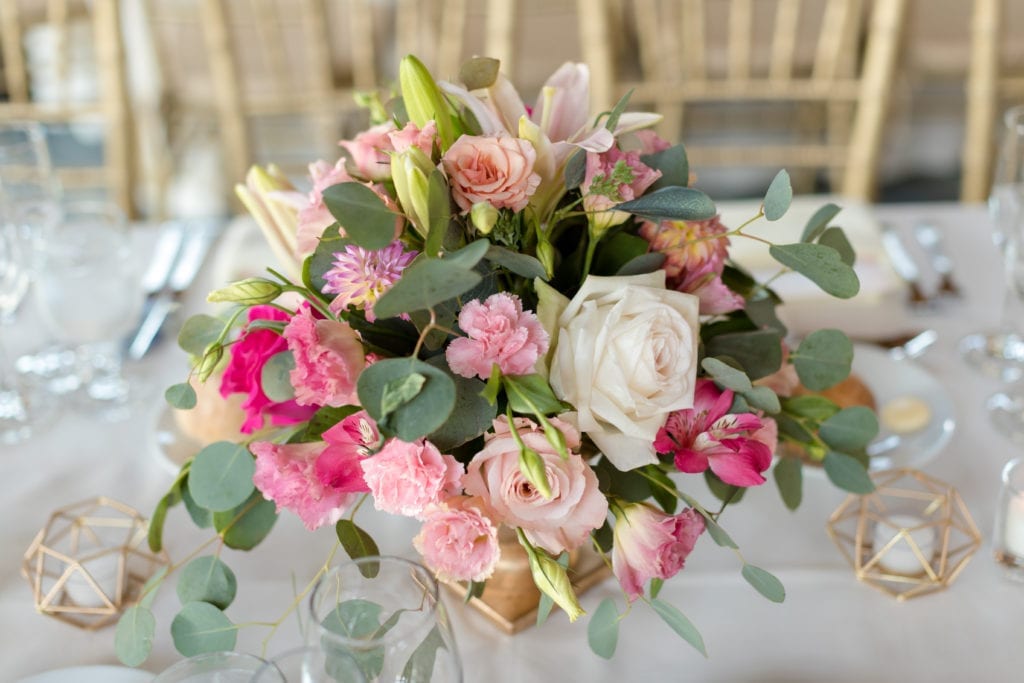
pixel 510 597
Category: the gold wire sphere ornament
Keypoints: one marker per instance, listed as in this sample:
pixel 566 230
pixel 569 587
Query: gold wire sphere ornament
pixel 911 537
pixel 90 561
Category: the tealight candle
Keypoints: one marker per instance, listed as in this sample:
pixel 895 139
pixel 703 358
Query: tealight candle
pixel 1008 540
pixel 1014 535
pixel 900 558
pixel 103 570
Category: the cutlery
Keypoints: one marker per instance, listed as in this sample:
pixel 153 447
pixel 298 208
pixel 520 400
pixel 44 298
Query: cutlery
pixel 199 237
pixel 158 272
pixel 930 239
pixel 903 264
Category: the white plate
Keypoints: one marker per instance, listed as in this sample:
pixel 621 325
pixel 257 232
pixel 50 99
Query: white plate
pixel 889 379
pixel 91 674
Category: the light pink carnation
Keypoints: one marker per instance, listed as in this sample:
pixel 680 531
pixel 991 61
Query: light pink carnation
pixel 613 177
pixel 650 544
pixel 405 478
pixel 285 474
pixel 501 332
pixel 576 506
pixel 493 169
pixel 328 359
pixel 457 541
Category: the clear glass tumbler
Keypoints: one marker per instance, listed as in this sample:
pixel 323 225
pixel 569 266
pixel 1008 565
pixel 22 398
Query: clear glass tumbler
pixel 213 667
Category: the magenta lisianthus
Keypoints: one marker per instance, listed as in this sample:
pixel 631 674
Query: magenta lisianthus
pixel 361 276
pixel 244 370
pixel 499 332
pixel 328 359
pixel 285 474
pixel 405 478
pixel 651 544
pixel 458 541
pixel 707 435
pixel 613 177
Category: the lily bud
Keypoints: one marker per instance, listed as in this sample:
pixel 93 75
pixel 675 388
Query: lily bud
pixel 263 197
pixel 552 579
pixel 410 171
pixel 248 292
pixel 484 216
pixel 424 101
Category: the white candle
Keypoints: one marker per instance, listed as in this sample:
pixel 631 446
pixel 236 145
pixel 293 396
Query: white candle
pixel 103 570
pixel 1014 533
pixel 900 558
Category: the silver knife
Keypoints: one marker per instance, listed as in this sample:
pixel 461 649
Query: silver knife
pixel 930 239
pixel 199 237
pixel 903 264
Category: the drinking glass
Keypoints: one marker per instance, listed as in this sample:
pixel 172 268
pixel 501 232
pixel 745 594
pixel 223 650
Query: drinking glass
pixel 306 665
pixel 88 292
pixel 1008 535
pixel 14 416
pixel 1000 353
pixel 380 619
pixel 213 667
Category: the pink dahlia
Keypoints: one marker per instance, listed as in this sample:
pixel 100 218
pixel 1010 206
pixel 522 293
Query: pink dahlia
pixel 499 331
pixel 361 276
pixel 707 435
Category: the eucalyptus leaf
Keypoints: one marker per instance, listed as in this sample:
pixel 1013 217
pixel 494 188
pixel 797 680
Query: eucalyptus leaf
pixel 221 476
pixel 639 265
pixel 201 517
pixel 133 639
pixel 603 629
pixel 616 250
pixel 155 533
pixel 778 197
pixel 764 582
pixel 793 428
pixel 245 526
pixel 152 586
pixel 718 534
pixel 358 544
pixel 468 256
pixel 818 222
pixel 820 264
pixel 823 359
pixel 365 217
pixel 425 284
pixel 319 262
pixel 399 391
pixel 181 396
pixel 722 491
pixel 673 164
pixel 663 489
pixel 851 429
pixel 515 262
pixel 423 414
pixel 680 624
pixel 810 406
pixel 726 375
pixel 200 627
pixel 764 399
pixel 472 415
pixel 671 203
pixel 207 579
pixel 789 478
pixel 845 472
pixel 275 377
pixel 198 332
pixel 420 667
pixel 836 238
pixel 759 352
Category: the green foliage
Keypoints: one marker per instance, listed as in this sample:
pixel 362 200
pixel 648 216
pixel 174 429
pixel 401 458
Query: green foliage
pixel 245 527
pixel 201 517
pixel 365 217
pixel 603 629
pixel 789 479
pixel 422 414
pixel 355 619
pixel 818 222
pixel 133 639
pixel 764 582
pixel 322 420
pixel 200 627
pixel 198 332
pixel 399 391
pixel 759 352
pixel 221 476
pixel 727 493
pixel 810 406
pixel 531 394
pixel 181 396
pixel 778 197
pixel 439 211
pixel 671 204
pixel 644 263
pixel 275 378
pixel 358 544
pixel 820 264
pixel 479 72
pixel 847 473
pixel 673 164
pixel 429 282
pixel 678 622
pixel 207 579
pixel 319 262
pixel 616 250
pixel 471 416
pixel 576 169
pixel 823 359
pixel 836 238
pixel 850 430
pixel 155 533
pixel 420 667
pixel 523 265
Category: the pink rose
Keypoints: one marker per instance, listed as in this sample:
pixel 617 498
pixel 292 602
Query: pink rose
pixel 576 506
pixel 405 478
pixel 285 474
pixel 457 541
pixel 244 371
pixel 328 359
pixel 348 443
pixel 499 332
pixel 650 544
pixel 611 178
pixel 493 169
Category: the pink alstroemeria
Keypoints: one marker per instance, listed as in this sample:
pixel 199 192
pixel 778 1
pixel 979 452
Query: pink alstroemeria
pixel 650 544
pixel 348 442
pixel 285 474
pixel 707 435
pixel 613 177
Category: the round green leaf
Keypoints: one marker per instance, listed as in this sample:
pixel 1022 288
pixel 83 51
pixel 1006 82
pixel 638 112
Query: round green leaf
pixel 673 164
pixel 726 375
pixel 198 332
pixel 672 204
pixel 365 217
pixel 421 415
pixel 818 222
pixel 789 478
pixel 823 359
pixel 133 639
pixel 845 472
pixel 850 429
pixel 247 531
pixel 765 583
pixel 181 396
pixel 836 238
pixel 275 378
pixel 821 265
pixel 200 627
pixel 479 72
pixel 471 416
pixel 603 629
pixel 221 476
pixel 207 579
pixel 778 197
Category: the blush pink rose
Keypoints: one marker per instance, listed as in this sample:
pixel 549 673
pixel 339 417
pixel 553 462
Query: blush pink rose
pixel 576 506
pixel 285 474
pixel 405 478
pixel 244 371
pixel 611 178
pixel 649 544
pixel 493 169
pixel 501 332
pixel 328 359
pixel 457 541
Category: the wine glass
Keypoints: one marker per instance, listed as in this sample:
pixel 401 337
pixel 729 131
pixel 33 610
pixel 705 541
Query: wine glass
pixel 1000 352
pixel 14 416
pixel 88 292
pixel 379 619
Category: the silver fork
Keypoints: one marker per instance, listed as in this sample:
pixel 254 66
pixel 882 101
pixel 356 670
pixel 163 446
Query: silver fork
pixel 930 240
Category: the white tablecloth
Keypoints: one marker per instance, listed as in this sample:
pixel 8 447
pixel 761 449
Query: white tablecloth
pixel 830 628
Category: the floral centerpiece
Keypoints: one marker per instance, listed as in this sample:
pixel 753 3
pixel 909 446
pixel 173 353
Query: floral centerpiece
pixel 496 316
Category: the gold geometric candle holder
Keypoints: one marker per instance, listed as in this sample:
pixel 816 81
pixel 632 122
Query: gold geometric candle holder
pixel 89 562
pixel 911 537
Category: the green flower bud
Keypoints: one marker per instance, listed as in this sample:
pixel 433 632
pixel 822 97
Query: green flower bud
pixel 532 467
pixel 248 292
pixel 484 216
pixel 410 171
pixel 424 101
pixel 209 362
pixel 552 579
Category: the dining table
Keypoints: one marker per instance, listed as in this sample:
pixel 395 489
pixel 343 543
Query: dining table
pixel 830 627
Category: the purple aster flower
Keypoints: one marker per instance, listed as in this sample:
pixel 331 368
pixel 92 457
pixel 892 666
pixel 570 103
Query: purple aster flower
pixel 360 276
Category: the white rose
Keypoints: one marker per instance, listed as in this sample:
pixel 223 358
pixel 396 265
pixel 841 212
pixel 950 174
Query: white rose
pixel 625 356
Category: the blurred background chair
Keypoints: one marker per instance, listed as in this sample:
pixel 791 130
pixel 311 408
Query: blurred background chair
pixel 800 84
pixel 995 81
pixel 64 65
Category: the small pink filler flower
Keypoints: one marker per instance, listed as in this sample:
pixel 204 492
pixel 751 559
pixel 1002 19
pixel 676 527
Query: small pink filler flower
pixel 360 276
pixel 650 544
pixel 405 478
pixel 458 541
pixel 499 331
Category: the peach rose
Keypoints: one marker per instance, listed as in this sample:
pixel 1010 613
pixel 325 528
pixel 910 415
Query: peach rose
pixel 576 506
pixel 493 169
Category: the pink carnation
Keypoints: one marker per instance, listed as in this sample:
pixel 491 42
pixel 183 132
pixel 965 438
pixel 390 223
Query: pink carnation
pixel 328 359
pixel 457 541
pixel 244 371
pixel 493 169
pixel 613 177
pixel 405 478
pixel 501 332
pixel 650 544
pixel 285 474
pixel 707 435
